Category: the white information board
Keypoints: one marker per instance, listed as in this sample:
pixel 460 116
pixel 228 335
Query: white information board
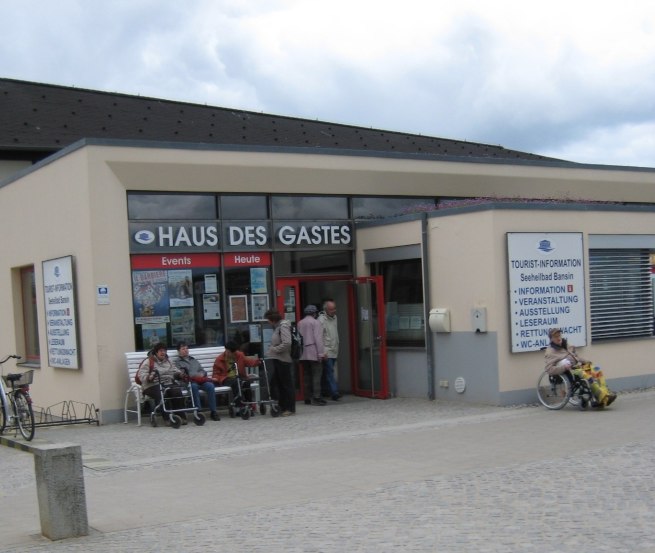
pixel 60 314
pixel 546 288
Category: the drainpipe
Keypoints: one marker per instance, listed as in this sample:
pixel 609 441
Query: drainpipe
pixel 429 350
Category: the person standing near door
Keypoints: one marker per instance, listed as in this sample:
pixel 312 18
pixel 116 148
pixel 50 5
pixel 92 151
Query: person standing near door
pixel 328 320
pixel 312 355
pixel 280 352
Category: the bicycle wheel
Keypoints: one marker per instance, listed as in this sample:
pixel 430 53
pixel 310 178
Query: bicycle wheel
pixel 24 414
pixel 553 392
pixel 3 405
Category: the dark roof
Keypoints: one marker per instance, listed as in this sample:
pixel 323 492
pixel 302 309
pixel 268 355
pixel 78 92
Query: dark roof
pixel 39 119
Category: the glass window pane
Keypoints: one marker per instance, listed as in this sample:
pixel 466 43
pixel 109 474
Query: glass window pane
pixel 244 207
pixel 247 288
pixel 178 306
pixel 403 297
pixel 313 262
pixel 30 322
pixel 376 208
pixel 309 207
pixel 171 206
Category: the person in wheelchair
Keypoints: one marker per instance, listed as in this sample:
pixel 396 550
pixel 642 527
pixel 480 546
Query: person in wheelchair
pixel 562 357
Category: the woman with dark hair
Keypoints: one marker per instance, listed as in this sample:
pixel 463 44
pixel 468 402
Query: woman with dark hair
pixel 280 352
pixel 158 362
pixel 230 366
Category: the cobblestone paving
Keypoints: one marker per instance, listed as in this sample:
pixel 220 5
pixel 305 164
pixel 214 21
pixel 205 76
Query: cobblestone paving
pixel 599 502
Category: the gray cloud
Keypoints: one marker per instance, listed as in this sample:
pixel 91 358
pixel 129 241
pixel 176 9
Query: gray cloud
pixel 536 81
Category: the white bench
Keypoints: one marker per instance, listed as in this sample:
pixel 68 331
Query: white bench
pixel 205 356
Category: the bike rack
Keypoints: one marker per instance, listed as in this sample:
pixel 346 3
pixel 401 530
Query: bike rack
pixel 64 413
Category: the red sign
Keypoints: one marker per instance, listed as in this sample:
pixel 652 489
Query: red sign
pixel 175 261
pixel 248 259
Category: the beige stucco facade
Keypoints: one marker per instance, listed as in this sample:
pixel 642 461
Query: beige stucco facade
pixel 75 204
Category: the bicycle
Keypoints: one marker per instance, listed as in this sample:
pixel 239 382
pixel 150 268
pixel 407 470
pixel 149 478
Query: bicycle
pixel 21 416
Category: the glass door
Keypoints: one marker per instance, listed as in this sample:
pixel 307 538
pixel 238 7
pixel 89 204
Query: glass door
pixel 370 376
pixel 366 330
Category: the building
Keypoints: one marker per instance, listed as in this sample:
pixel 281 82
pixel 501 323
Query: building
pixel 448 260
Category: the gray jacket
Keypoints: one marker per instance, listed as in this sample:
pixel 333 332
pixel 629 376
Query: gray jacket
pixel 330 334
pixel 280 347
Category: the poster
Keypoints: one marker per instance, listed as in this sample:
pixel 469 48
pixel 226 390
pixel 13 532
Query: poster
pixel 150 293
pixel 267 335
pixel 255 333
pixel 60 313
pixel 415 323
pixel 152 334
pixel 182 325
pixel 211 307
pixel 258 280
pixel 211 284
pixel 259 306
pixel 238 309
pixel 180 288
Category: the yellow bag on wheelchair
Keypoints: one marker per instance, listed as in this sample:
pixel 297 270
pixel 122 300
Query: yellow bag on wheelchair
pixel 596 380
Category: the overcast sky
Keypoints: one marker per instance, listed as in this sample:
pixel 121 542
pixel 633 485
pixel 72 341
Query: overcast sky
pixel 570 79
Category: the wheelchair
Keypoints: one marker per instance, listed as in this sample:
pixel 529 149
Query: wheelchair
pixel 556 391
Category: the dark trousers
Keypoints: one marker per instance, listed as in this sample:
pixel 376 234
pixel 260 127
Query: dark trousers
pixel 173 395
pixel 282 386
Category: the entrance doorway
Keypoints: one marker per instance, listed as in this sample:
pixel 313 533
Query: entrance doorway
pixel 362 363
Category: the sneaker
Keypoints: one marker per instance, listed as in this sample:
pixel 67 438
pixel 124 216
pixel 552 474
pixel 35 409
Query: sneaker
pixel 286 414
pixel 336 397
pixel 317 401
pixel 214 416
pixel 308 402
pixel 610 398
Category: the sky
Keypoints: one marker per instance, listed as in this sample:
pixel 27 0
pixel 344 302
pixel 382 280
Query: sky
pixel 572 79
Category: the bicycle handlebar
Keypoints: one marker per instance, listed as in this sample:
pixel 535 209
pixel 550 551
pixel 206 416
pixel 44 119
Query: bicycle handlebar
pixel 10 357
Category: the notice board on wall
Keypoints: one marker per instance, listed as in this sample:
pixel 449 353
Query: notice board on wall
pixel 546 288
pixel 60 313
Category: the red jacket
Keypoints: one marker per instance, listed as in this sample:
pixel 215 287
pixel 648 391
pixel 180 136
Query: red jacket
pixel 221 368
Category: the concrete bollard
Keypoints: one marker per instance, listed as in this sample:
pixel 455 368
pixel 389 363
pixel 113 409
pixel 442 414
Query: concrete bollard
pixel 60 490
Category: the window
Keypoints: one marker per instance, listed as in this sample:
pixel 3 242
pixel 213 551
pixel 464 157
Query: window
pixel 378 208
pixel 177 305
pixel 316 262
pixel 320 208
pixel 244 207
pixel 403 297
pixel 621 293
pixel 248 294
pixel 171 206
pixel 30 321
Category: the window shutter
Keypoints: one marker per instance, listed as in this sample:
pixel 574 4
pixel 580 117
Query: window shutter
pixel 621 293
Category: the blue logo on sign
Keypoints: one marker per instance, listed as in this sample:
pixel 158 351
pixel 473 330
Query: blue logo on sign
pixel 57 271
pixel 144 237
pixel 545 246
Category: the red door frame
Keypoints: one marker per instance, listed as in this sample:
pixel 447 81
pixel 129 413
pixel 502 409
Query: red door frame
pixel 383 392
pixel 295 282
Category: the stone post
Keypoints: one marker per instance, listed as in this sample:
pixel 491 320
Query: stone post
pixel 60 490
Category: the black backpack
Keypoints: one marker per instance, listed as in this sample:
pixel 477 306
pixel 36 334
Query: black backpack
pixel 296 343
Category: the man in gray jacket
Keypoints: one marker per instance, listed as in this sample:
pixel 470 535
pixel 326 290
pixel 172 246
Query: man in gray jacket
pixel 328 319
